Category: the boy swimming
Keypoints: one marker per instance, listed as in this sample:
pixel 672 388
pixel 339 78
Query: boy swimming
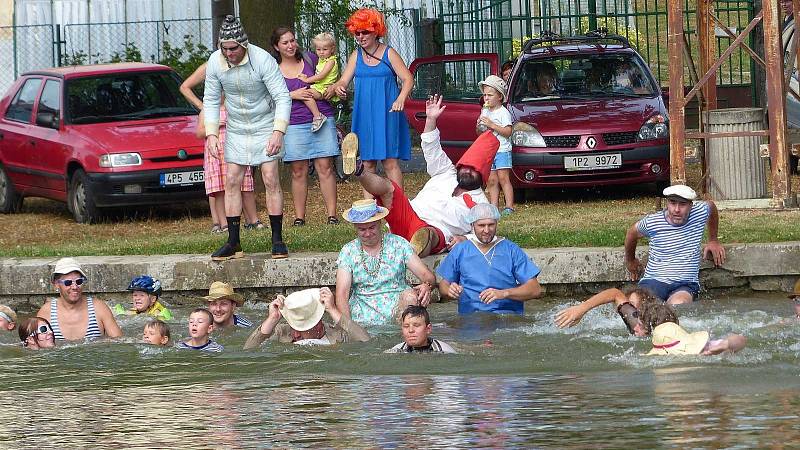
pixel 145 291
pixel 156 332
pixel 415 323
pixel 201 324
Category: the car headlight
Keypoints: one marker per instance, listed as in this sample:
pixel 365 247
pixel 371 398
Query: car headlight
pixel 121 160
pixel 526 135
pixel 657 127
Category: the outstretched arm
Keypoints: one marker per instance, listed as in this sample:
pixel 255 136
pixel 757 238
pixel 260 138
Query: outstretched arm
pixel 436 159
pixel 340 87
pixel 713 247
pixel 197 77
pixel 572 316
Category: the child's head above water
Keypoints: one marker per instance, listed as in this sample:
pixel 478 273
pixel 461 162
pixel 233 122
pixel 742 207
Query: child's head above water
pixel 156 332
pixel 324 45
pixel 416 326
pixel 201 324
pixel 145 291
pixel 8 318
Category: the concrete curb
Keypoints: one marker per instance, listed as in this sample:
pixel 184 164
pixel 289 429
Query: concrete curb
pixel 565 271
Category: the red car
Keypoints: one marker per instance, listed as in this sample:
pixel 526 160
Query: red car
pixel 99 136
pixel 603 122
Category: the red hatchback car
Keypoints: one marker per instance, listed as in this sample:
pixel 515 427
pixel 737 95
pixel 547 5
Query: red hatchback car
pixel 99 136
pixel 587 111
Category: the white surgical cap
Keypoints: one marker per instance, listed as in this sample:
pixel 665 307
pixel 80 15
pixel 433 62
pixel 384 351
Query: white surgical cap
pixel 483 211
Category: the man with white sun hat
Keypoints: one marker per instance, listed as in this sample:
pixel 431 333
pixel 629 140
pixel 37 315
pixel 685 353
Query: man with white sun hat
pixel 303 311
pixel 675 234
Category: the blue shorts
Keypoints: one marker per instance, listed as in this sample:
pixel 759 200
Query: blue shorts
pixel 663 290
pixel 300 143
pixel 502 161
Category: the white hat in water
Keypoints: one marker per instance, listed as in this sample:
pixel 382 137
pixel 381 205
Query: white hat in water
pixel 681 191
pixel 302 309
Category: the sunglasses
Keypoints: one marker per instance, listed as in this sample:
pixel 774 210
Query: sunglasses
pixel 362 33
pixel 229 49
pixel 42 329
pixel 68 283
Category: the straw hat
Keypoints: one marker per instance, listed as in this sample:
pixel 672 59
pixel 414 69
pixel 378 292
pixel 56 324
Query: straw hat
pixel 220 290
pixel 796 292
pixel 496 83
pixel 670 339
pixel 365 211
pixel 67 265
pixel 302 309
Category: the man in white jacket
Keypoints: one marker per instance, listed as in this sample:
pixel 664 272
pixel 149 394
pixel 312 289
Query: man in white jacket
pixel 258 107
pixel 437 217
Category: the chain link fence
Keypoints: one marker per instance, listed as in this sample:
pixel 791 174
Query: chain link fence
pixel 24 48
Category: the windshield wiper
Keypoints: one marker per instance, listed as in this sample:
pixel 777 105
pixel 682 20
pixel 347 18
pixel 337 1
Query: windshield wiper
pixel 97 119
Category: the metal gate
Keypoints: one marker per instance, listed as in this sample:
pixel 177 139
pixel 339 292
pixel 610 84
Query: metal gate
pixel 502 26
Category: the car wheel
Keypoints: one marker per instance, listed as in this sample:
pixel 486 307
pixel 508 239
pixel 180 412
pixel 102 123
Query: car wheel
pixel 10 200
pixel 81 199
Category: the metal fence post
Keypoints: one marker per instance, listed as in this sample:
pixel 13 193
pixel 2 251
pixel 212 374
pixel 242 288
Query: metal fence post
pixel 58 42
pixel 591 5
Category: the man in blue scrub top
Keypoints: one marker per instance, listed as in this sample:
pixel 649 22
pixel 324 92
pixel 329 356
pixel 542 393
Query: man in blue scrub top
pixel 487 272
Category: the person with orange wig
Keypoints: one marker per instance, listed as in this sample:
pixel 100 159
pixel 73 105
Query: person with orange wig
pixel 379 129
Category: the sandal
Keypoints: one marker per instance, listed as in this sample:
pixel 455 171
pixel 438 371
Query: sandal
pixel 317 123
pixel 507 211
pixel 257 225
pixel 333 220
pixel 216 229
pixel 298 222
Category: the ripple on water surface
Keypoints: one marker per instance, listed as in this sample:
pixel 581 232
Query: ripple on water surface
pixel 519 382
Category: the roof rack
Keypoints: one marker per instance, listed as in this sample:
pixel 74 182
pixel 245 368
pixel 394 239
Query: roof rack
pixel 594 36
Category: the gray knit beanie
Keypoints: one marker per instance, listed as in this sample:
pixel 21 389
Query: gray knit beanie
pixel 231 31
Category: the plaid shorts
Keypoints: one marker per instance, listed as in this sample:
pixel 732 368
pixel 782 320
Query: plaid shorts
pixel 215 174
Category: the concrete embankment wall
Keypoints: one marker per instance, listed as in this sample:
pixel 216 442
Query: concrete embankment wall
pixel 566 272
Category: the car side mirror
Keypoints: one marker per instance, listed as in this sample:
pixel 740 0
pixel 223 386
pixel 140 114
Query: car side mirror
pixel 48 119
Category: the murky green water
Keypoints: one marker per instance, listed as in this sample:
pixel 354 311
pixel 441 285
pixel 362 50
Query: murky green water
pixel 534 387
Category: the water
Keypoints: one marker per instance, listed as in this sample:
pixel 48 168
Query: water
pixel 532 386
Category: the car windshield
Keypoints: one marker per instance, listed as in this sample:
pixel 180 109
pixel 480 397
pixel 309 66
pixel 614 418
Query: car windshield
pixel 583 76
pixel 125 96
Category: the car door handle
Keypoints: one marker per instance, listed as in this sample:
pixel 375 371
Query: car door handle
pixel 2 136
pixel 32 142
pixel 420 116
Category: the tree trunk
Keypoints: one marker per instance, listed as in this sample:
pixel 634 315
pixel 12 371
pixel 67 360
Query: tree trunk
pixel 220 9
pixel 260 17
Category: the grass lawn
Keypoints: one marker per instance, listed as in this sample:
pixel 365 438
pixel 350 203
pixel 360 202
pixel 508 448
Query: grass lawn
pixel 577 218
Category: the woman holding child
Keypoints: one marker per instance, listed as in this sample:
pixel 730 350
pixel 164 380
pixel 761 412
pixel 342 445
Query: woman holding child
pixel 302 142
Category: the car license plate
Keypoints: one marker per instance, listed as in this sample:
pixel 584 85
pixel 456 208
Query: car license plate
pixel 593 162
pixel 172 178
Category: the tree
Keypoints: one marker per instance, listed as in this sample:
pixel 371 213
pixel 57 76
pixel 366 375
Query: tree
pixel 260 17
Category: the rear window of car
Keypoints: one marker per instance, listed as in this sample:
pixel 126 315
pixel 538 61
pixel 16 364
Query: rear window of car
pixel 455 80
pixel 125 96
pixel 583 76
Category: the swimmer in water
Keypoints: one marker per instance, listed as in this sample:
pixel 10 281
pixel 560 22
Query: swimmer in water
pixel 36 333
pixel 628 304
pixel 201 324
pixel 156 332
pixel 669 338
pixel 8 318
pixel 415 323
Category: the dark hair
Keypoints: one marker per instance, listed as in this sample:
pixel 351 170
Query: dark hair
pixel 654 314
pixel 29 326
pixel 163 328
pixel 507 65
pixel 276 37
pixel 416 311
pixel 644 295
pixel 204 310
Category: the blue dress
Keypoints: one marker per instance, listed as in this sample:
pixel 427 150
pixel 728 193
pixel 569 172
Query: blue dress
pixel 381 134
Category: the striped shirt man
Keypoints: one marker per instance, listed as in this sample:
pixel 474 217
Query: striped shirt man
pixel 675 250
